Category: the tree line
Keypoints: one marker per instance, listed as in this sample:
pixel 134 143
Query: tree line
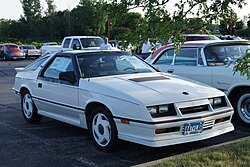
pixel 91 17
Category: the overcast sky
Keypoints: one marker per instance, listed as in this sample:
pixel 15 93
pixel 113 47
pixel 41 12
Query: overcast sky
pixel 12 9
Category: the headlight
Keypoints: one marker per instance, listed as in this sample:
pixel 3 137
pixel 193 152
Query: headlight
pixel 162 110
pixel 218 102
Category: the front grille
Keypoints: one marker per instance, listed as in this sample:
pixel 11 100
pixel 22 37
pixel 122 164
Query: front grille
pixel 195 109
pixel 208 124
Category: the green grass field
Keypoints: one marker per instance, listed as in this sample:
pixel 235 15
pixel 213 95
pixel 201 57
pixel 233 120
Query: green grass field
pixel 236 154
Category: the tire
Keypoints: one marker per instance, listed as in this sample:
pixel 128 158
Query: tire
pixel 29 109
pixel 103 130
pixel 242 106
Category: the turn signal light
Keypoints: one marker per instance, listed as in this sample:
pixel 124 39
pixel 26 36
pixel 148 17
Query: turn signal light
pixel 125 121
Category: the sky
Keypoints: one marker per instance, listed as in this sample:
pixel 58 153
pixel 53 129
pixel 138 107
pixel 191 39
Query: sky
pixel 12 9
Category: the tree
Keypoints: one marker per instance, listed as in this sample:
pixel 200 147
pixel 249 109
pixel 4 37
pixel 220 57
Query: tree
pixel 167 24
pixel 32 10
pixel 85 18
pixel 51 7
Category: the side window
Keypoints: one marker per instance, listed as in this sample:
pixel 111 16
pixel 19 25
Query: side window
pixel 215 55
pixel 66 43
pixel 166 58
pixel 187 56
pixel 58 65
pixel 76 43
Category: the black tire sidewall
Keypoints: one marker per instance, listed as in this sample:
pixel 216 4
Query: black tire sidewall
pixel 111 145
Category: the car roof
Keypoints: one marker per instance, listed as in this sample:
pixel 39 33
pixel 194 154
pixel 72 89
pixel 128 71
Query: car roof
pixel 200 44
pixel 199 35
pixel 82 37
pixel 10 44
pixel 74 52
pixel 26 45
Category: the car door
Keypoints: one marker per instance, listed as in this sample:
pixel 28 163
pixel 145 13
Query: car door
pixel 219 58
pixel 187 63
pixel 58 98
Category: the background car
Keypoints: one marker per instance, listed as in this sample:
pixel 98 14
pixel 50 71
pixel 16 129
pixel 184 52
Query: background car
pixel 200 37
pixel 11 51
pixel 30 51
pixel 119 96
pixel 229 37
pixel 212 63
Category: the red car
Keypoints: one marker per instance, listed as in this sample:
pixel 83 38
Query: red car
pixel 11 51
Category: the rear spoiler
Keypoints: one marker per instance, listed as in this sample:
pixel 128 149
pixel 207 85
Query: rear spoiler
pixel 19 69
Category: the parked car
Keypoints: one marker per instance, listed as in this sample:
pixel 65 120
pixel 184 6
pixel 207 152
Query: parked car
pixel 11 51
pixel 49 44
pixel 212 63
pixel 229 37
pixel 30 51
pixel 119 96
pixel 74 43
pixel 200 37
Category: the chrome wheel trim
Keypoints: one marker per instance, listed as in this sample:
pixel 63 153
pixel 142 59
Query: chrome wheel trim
pixel 27 106
pixel 101 129
pixel 243 107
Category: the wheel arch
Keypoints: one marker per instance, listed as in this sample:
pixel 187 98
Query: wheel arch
pixel 232 93
pixel 92 105
pixel 23 89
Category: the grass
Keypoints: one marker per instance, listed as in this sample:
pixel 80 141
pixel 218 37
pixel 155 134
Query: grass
pixel 231 155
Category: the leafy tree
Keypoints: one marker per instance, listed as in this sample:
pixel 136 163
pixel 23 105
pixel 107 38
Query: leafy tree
pixel 51 7
pixel 177 22
pixel 88 18
pixel 32 9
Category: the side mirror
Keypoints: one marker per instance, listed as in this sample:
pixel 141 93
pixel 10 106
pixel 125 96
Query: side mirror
pixel 68 76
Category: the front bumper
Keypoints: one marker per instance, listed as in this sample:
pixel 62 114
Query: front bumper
pixel 145 134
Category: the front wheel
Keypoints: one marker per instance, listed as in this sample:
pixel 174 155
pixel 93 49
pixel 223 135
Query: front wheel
pixel 102 129
pixel 242 106
pixel 29 109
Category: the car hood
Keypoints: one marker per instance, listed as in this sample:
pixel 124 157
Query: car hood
pixel 152 88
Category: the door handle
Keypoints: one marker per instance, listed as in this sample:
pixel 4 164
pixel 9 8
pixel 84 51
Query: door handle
pixel 40 85
pixel 170 70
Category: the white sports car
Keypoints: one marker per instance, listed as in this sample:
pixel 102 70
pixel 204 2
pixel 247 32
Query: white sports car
pixel 118 96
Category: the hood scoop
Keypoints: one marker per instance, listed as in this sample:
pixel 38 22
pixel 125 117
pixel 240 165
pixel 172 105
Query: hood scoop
pixel 145 79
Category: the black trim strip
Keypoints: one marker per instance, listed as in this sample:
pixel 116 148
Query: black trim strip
pixel 76 108
pixel 145 79
pixel 175 120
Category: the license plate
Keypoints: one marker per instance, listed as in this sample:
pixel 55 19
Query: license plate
pixel 193 128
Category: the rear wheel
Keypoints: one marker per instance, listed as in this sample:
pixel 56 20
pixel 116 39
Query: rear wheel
pixel 102 129
pixel 242 106
pixel 29 109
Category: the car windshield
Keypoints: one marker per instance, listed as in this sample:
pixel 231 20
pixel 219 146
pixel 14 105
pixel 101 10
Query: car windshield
pixel 111 64
pixel 91 42
pixel 222 54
